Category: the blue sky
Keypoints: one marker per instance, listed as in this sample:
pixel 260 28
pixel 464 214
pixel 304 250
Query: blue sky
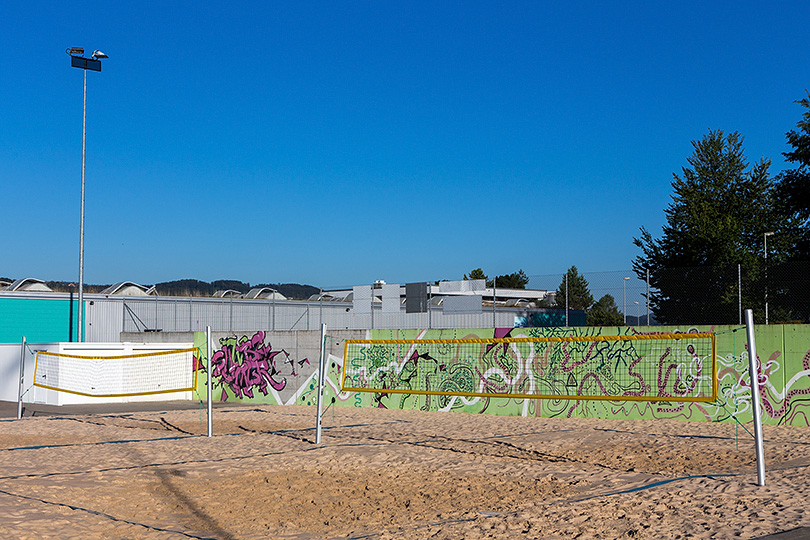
pixel 338 143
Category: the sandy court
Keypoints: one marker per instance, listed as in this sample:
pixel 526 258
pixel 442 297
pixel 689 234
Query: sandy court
pixel 393 474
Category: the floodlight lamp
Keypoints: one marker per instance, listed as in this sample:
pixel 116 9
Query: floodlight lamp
pixel 99 54
pixel 73 51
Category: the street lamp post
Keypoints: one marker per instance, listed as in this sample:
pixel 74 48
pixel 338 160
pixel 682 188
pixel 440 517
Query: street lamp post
pixel 638 317
pixel 624 301
pixel 93 63
pixel 766 235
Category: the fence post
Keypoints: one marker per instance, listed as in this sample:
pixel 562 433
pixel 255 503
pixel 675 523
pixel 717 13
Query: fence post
pixel 22 379
pixel 566 299
pixel 648 297
pixel 494 323
pixel 739 290
pixel 430 299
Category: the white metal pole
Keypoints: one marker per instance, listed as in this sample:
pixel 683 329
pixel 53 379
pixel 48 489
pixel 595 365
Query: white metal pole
pixel 321 377
pixel 755 405
pixel 22 379
pixel 208 353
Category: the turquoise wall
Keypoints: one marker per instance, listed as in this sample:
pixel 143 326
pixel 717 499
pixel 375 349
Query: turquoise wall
pixel 39 320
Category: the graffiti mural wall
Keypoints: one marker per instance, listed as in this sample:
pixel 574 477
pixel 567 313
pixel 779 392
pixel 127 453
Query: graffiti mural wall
pixel 278 369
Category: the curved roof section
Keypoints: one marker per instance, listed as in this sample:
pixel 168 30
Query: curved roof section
pixel 129 288
pixel 29 284
pixel 229 293
pixel 265 293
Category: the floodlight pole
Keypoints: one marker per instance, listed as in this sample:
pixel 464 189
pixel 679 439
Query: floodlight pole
pixel 648 297
pixel 94 64
pixel 566 299
pixel 80 329
pixel 624 307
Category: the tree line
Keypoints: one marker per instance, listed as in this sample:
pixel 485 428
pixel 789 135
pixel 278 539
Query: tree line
pixel 574 291
pixel 711 256
pixel 734 235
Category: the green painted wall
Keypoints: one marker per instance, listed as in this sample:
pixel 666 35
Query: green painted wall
pixel 255 365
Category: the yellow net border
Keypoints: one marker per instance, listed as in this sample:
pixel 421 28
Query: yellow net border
pixel 672 375
pixel 194 352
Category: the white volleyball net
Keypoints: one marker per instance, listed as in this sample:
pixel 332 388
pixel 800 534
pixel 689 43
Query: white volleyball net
pixel 117 376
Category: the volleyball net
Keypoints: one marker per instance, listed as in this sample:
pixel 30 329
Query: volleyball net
pixel 678 367
pixel 117 376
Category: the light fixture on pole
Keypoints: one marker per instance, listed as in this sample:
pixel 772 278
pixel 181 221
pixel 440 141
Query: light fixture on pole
pixel 93 63
pixel 638 317
pixel 766 235
pixel 624 307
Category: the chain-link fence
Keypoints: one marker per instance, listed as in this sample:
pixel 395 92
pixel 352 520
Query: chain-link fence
pixel 708 295
pixel 777 293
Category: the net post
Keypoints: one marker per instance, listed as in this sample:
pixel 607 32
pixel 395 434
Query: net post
pixel 208 349
pixel 22 379
pixel 321 370
pixel 755 405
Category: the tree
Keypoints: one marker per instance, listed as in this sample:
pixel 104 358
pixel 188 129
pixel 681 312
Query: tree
pixel 793 187
pixel 476 274
pixel 579 295
pixel 719 211
pixel 515 280
pixel 605 312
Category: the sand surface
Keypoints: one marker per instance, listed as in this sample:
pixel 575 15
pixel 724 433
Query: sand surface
pixel 383 474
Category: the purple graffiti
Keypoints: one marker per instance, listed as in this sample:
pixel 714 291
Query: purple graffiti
pixel 246 363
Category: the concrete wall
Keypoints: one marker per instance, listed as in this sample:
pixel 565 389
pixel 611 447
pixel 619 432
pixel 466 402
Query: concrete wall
pixel 281 368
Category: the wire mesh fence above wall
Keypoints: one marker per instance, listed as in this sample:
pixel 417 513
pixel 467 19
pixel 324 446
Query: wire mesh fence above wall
pixel 777 293
pixel 677 296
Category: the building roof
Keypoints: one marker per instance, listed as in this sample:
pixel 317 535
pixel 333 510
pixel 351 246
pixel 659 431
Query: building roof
pixel 263 293
pixel 227 293
pixel 29 284
pixel 128 288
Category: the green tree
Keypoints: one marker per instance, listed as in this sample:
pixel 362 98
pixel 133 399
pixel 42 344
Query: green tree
pixel 579 295
pixel 605 312
pixel 793 190
pixel 476 274
pixel 515 280
pixel 719 211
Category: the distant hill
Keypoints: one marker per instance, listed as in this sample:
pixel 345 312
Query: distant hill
pixel 195 287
